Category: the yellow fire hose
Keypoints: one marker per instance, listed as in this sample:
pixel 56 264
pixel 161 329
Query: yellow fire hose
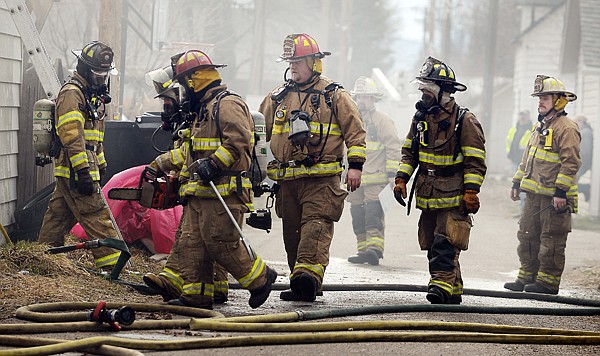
pixel 304 333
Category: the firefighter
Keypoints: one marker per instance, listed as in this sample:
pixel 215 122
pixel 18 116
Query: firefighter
pixel 548 176
pixel 309 119
pixel 169 282
pixel 218 153
pixel 80 109
pixel 383 156
pixel 445 150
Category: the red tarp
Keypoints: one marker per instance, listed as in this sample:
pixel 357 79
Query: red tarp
pixel 135 221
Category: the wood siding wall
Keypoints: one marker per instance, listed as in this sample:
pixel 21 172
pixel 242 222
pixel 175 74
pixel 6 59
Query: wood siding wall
pixel 10 88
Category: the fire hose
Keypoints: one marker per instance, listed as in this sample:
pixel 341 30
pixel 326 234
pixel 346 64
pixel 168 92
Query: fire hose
pixel 297 330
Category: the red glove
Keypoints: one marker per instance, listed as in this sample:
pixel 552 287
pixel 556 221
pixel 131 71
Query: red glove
pixel 400 191
pixel 471 201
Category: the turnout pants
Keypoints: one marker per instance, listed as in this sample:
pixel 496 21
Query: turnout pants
pixel 368 219
pixel 66 208
pixel 443 234
pixel 308 208
pixel 171 274
pixel 209 236
pixel 542 240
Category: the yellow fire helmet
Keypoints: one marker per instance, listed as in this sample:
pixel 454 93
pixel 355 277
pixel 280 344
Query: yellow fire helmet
pixel 366 86
pixel 551 85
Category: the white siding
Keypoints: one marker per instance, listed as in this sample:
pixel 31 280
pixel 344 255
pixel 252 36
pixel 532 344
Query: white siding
pixel 10 90
pixel 538 53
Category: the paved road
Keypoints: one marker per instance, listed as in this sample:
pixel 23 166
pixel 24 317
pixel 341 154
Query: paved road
pixel 490 261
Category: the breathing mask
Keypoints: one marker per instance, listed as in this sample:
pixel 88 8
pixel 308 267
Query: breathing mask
pixel 299 127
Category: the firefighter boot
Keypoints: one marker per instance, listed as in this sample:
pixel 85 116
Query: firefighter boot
pixel 155 282
pixel 307 286
pixel 372 257
pixel 360 257
pixel 290 296
pixel 181 302
pixel 220 298
pixel 454 299
pixel 537 287
pixel 259 296
pixel 516 286
pixel 436 295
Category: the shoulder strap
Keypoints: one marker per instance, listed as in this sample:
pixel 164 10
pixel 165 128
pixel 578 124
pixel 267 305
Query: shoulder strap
pixel 458 128
pixel 219 97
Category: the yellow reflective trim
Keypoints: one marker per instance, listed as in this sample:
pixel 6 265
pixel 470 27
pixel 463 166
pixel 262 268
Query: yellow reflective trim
pixel 406 168
pixel 440 160
pixel 222 286
pixel 205 289
pixel 196 188
pixel 254 273
pixel 205 143
pixel 108 260
pixel 373 146
pixel 61 171
pixel 565 180
pixel 375 241
pixel 93 135
pixel 376 178
pixel 224 156
pixel 177 156
pixel 69 117
pixel 438 203
pixel 317 269
pixel 473 178
pixel 319 169
pixel 78 159
pixel 175 278
pixel 445 286
pixel 357 151
pixel 468 151
pixel 407 143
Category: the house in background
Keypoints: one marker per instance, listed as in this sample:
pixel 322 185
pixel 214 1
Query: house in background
pixel 562 38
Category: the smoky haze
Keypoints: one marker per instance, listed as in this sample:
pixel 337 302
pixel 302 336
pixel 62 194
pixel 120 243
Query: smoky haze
pixel 495 48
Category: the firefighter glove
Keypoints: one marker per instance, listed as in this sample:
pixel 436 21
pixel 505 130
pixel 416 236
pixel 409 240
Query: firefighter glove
pixel 400 191
pixel 85 184
pixel 207 170
pixel 471 201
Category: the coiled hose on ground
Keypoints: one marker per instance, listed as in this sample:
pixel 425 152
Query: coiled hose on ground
pixel 299 333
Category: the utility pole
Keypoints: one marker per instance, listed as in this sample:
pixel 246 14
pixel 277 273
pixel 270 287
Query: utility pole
pixel 489 60
pixel 109 32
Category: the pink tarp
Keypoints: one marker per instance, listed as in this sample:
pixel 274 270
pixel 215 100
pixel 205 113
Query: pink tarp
pixel 135 221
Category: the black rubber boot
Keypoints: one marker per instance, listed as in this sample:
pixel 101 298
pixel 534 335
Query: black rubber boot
pixel 289 296
pixel 307 286
pixel 372 257
pixel 360 257
pixel 454 299
pixel 436 295
pixel 220 298
pixel 537 287
pixel 260 295
pixel 516 286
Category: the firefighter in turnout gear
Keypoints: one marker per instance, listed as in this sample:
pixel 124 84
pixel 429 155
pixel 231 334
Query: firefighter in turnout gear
pixel 309 119
pixel 80 110
pixel 219 154
pixel 445 150
pixel 169 282
pixel 383 156
pixel 548 176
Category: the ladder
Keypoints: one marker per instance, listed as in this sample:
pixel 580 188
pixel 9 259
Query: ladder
pixel 34 47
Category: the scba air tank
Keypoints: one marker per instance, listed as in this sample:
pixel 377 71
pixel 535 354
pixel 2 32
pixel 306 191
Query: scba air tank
pixel 260 133
pixel 43 136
